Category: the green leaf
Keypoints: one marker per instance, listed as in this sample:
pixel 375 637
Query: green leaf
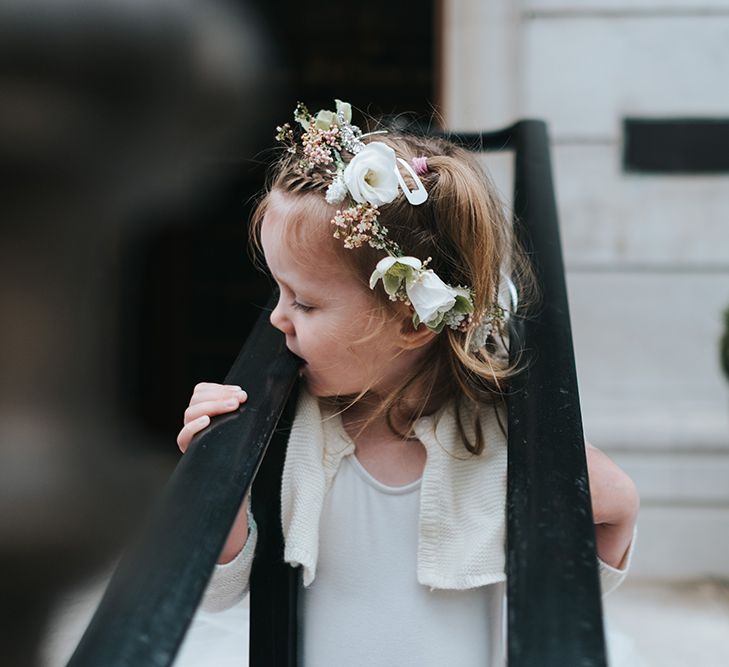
pixel 391 282
pixel 463 304
pixel 436 324
pixel 403 270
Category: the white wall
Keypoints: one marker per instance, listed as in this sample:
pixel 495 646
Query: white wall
pixel 647 255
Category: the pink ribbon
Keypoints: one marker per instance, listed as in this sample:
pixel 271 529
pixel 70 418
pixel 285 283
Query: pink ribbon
pixel 420 165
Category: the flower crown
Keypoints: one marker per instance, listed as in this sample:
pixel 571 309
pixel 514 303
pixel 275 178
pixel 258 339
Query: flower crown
pixel 370 179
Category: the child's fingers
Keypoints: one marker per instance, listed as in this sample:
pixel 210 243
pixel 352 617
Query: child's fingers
pixel 216 407
pixel 208 399
pixel 185 435
pixel 206 391
pixel 213 386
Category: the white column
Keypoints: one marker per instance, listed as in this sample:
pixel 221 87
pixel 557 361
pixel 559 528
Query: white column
pixel 481 63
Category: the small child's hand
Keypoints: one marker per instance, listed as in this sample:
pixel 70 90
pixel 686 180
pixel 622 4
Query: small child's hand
pixel 208 399
pixel 615 505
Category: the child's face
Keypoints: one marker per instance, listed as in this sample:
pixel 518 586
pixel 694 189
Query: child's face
pixel 324 318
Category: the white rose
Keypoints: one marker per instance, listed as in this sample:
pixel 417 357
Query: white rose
pixel 370 176
pixel 430 296
pixel 393 270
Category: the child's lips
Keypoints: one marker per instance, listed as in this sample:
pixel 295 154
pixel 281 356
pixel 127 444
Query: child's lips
pixel 303 361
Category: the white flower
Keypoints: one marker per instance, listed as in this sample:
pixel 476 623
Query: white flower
pixel 325 119
pixel 430 297
pixel 481 334
pixel 336 191
pixel 345 109
pixel 393 270
pixel 370 175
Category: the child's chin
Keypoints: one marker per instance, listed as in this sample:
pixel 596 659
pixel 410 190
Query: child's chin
pixel 311 385
pixel 314 390
pixel 317 390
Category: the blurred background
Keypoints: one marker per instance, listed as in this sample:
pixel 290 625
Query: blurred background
pixel 133 137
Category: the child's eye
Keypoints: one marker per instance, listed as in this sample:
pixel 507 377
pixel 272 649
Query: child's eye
pixel 301 306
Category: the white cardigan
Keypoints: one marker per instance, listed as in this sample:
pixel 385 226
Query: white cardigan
pixel 462 521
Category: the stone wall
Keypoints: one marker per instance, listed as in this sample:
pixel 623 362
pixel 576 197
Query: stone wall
pixel 647 255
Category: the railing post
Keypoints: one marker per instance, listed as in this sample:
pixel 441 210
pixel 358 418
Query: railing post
pixel 554 603
pixel 156 589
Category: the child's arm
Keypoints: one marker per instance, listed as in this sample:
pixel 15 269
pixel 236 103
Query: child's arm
pixel 229 582
pixel 615 504
pixel 214 399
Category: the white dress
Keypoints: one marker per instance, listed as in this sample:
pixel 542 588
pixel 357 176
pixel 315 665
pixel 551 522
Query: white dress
pixel 366 607
pixel 391 573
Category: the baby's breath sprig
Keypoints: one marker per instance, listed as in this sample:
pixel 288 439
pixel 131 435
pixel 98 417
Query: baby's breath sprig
pixel 359 224
pixel 285 135
pixel 302 115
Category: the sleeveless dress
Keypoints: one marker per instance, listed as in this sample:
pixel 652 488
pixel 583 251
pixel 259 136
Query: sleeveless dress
pixel 366 607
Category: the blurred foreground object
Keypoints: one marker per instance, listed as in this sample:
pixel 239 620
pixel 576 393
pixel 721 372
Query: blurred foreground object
pixel 106 108
pixel 724 346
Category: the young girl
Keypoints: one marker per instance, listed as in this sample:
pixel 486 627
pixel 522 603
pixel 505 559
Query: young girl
pixel 396 269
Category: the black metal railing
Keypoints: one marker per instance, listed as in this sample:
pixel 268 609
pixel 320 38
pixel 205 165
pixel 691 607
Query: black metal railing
pixel 554 606
pixel 153 595
pixel 554 602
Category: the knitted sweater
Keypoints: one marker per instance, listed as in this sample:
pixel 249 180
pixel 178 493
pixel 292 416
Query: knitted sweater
pixel 462 519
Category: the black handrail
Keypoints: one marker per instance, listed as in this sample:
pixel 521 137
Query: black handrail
pixel 152 597
pixel 554 602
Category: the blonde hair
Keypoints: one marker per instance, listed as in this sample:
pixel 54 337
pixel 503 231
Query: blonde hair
pixel 463 227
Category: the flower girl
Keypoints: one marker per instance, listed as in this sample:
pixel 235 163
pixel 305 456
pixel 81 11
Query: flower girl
pixel 397 273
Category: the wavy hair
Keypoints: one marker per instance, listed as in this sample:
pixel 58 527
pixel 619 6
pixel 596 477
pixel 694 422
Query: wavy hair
pixel 463 226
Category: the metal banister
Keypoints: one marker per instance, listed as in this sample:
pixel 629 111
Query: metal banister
pixel 554 600
pixel 154 592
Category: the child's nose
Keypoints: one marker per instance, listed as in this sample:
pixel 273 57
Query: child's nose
pixel 280 320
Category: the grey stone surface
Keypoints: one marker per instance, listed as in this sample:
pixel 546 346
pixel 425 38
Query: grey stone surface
pixel 682 541
pixel 481 63
pixel 646 347
pixel 625 6
pixel 698 479
pixel 584 74
pixel 610 218
pixel 647 624
pixel 659 624
pixel 647 256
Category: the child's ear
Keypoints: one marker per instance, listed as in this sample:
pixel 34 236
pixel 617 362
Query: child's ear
pixel 412 338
